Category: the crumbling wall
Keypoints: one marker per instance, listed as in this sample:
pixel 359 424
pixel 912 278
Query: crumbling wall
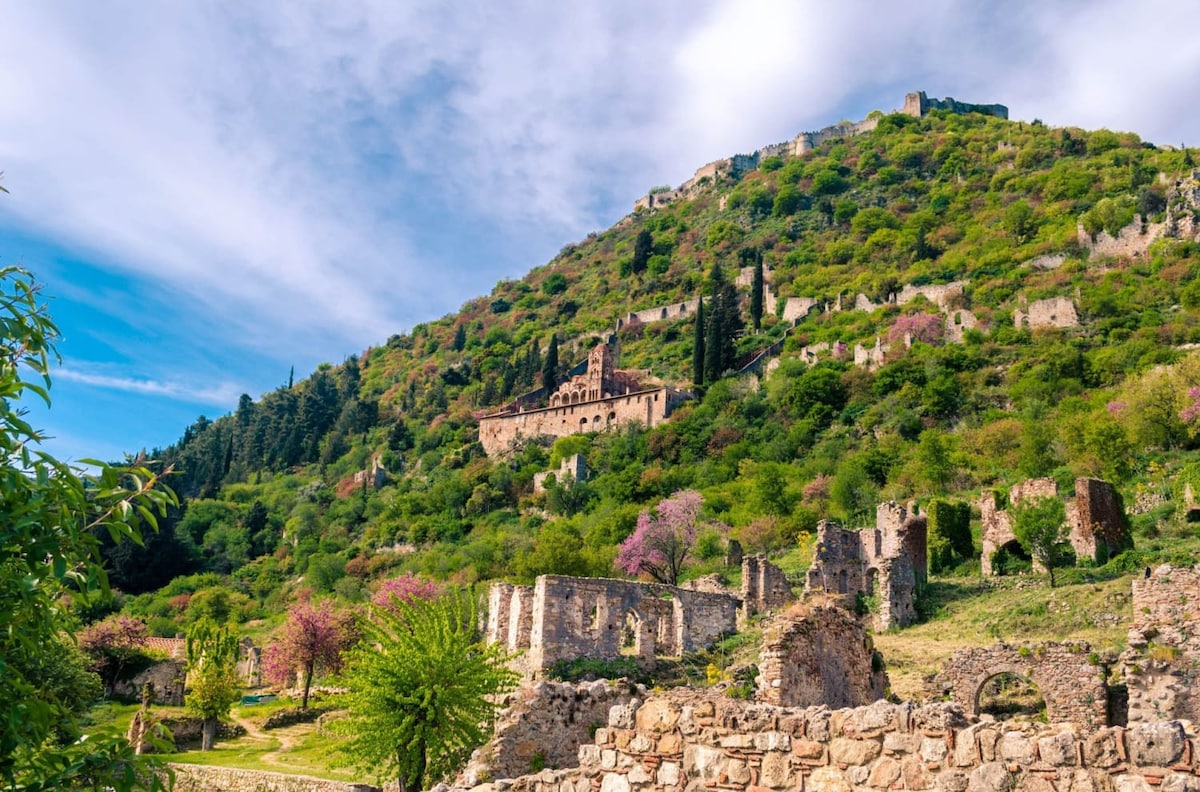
pixel 543 725
pixel 565 618
pixel 796 308
pixel 691 741
pixel 885 564
pixel 1052 312
pixel 1161 667
pixel 1068 676
pixel 165 680
pixel 819 655
pixel 764 586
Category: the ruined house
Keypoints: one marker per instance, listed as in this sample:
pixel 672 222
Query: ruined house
pixel 884 565
pixel 1095 517
pixel 1052 312
pixel 597 400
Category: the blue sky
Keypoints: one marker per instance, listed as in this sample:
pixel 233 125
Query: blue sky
pixel 215 192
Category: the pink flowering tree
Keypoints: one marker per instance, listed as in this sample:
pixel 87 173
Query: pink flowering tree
pixel 1191 413
pixel 406 588
pixel 111 645
pixel 925 327
pixel 313 638
pixel 662 543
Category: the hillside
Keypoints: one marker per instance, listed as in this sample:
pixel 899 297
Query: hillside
pixel 899 257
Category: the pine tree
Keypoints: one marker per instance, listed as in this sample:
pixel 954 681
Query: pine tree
pixel 642 247
pixel 698 346
pixel 550 366
pixel 756 294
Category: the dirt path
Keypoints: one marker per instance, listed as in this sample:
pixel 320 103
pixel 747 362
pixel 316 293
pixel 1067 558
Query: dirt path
pixel 286 737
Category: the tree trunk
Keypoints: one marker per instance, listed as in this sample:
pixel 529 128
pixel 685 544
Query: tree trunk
pixel 308 675
pixel 208 734
pixel 414 782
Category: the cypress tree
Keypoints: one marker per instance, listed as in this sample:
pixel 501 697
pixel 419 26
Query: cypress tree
pixel 713 339
pixel 642 247
pixel 550 366
pixel 756 294
pixel 460 339
pixel 698 346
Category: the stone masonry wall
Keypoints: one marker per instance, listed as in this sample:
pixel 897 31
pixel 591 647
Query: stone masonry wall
pixel 819 655
pixel 195 778
pixel 688 742
pixel 1053 312
pixel 497 433
pixel 764 586
pixel 544 725
pixel 1070 681
pixel 1161 667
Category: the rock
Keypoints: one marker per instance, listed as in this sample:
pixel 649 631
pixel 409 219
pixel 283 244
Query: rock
pixel 1058 749
pixel 990 777
pixel 614 782
pixel 854 752
pixel 776 771
pixel 1157 744
pixel 934 749
pixel 897 743
pixel 826 779
pixel 952 781
pixel 885 771
pixel 1100 749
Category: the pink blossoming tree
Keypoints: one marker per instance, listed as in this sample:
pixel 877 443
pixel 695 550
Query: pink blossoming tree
pixel 406 588
pixel 662 543
pixel 312 638
pixel 925 327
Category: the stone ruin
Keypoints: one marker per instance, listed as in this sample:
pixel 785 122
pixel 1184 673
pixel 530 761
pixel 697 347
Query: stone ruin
pixel 819 656
pixel 886 563
pixel 1161 667
pixel 1052 312
pixel 573 466
pixel 1069 677
pixel 1095 517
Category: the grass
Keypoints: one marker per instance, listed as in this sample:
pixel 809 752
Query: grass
pixel 975 612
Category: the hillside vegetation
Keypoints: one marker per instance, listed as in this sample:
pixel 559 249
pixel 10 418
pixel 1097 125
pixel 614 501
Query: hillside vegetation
pixel 272 506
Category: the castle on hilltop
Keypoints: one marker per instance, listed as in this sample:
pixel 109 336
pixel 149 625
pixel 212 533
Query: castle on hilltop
pixel 600 398
pixel 916 104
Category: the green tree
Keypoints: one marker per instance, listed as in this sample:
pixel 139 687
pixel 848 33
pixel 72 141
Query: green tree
pixel 698 351
pixel 757 288
pixel 50 515
pixel 212 654
pixel 460 338
pixel 550 366
pixel 643 246
pixel 1040 526
pixel 423 691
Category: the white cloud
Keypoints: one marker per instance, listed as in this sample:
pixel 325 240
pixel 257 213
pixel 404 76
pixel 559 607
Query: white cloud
pixel 220 394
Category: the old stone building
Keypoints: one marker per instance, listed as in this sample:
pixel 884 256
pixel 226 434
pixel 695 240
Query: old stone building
pixel 1051 312
pixel 819 656
pixel 597 400
pixel 565 618
pixel 1071 682
pixel 884 564
pixel 1095 518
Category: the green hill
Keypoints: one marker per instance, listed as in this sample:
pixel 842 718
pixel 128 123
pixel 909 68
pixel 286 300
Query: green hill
pixel 1007 214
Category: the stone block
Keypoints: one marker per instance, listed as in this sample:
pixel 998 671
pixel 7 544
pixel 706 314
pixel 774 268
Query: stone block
pixel 668 773
pixel 738 771
pixel 854 752
pixel 857 775
pixel 614 782
pixel 1016 747
pixel 916 774
pixel 589 755
pixel 951 781
pixel 702 762
pixel 657 716
pixel 776 771
pixel 1033 782
pixel 1128 782
pixel 737 741
pixel 621 716
pixel 772 741
pixel 1086 781
pixel 885 771
pixel 670 744
pixel 608 759
pixel 990 777
pixel 1180 782
pixel 808 749
pixel 1100 750
pixel 826 779
pixel 1157 744
pixel 640 743
pixel 987 739
pixel 638 774
pixel 1058 749
pixel 898 743
pixel 934 749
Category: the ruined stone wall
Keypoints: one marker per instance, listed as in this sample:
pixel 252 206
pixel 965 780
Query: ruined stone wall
pixel 872 357
pixel 940 295
pixel 543 725
pixel 996 524
pixel 660 313
pixel 764 586
pixel 807 141
pixel 688 741
pixel 165 678
pixel 1097 521
pixel 957 323
pixel 918 104
pixel 816 656
pixel 197 778
pixel 796 308
pixel 498 433
pixel 571 617
pixel 1052 312
pixel 1067 675
pixel 1161 667
pixel 1165 606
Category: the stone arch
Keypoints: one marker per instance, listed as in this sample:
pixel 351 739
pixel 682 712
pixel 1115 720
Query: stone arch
pixel 1071 684
pixel 637 635
pixel 583 424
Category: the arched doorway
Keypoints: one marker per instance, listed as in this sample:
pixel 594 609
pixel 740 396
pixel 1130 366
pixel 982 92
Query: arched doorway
pixel 1011 559
pixel 637 639
pixel 1009 695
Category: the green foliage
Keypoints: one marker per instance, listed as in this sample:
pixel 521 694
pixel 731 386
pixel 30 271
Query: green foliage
pixel 1040 526
pixel 423 691
pixel 212 654
pixel 50 515
pixel 949 534
pixel 587 668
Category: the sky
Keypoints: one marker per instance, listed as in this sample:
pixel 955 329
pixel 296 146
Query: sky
pixel 214 193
